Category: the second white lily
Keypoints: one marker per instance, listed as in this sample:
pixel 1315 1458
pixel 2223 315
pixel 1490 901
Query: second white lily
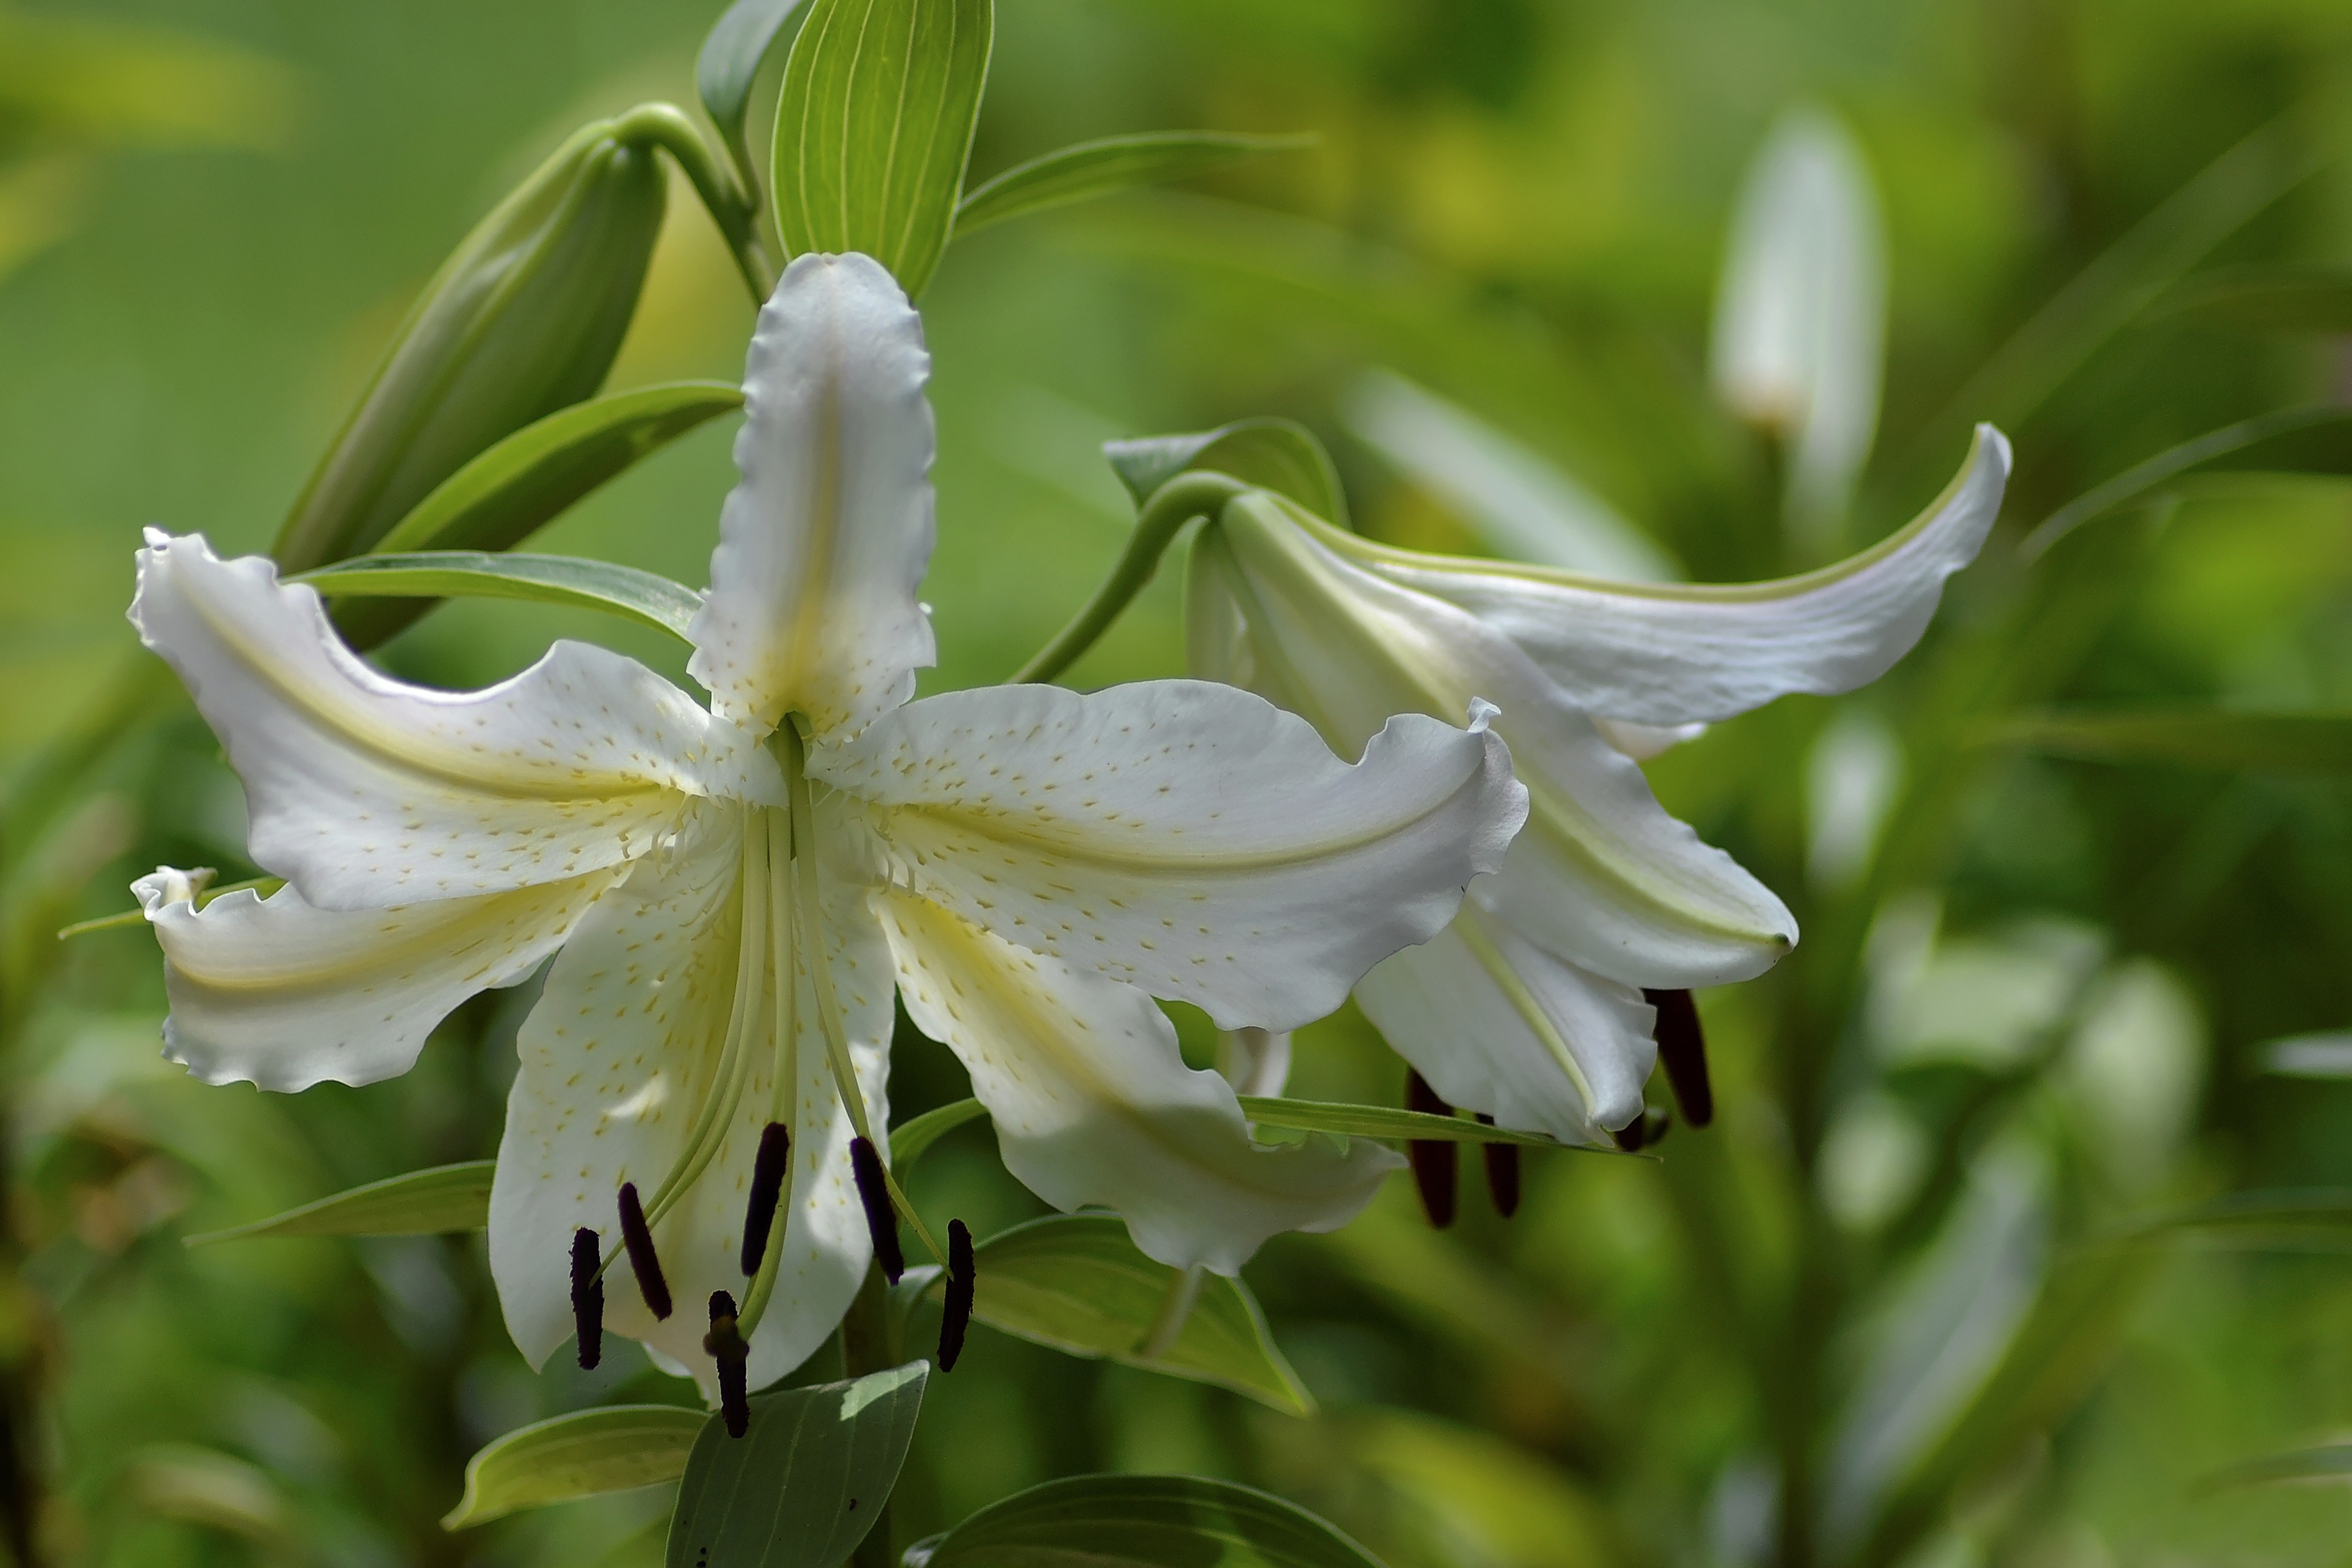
pixel 738 890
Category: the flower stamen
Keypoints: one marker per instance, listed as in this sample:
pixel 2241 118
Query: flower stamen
pixel 1502 1161
pixel 726 1347
pixel 1435 1163
pixel 1682 1051
pixel 874 1192
pixel 637 1239
pixel 588 1297
pixel 956 1315
pixel 769 1168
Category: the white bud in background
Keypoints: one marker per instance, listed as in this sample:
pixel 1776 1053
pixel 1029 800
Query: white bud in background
pixel 1801 314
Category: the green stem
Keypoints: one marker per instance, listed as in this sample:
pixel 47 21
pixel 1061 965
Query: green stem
pixel 665 126
pixel 1172 506
pixel 869 1343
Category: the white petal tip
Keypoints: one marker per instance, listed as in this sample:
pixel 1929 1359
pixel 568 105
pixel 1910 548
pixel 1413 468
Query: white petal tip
pixel 1482 714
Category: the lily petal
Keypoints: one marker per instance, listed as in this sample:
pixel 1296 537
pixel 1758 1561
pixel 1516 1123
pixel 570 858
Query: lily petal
pixel 1641 899
pixel 1668 653
pixel 617 1057
pixel 1498 1025
pixel 1093 1104
pixel 822 546
pixel 1187 838
pixel 276 993
pixel 366 792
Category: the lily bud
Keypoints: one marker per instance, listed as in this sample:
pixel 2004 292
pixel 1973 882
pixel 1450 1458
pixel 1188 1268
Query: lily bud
pixel 523 319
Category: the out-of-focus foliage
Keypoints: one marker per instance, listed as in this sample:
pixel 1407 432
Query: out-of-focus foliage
pixel 1877 1308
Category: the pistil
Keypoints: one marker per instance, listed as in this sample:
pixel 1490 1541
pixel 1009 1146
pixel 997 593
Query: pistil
pixel 726 1347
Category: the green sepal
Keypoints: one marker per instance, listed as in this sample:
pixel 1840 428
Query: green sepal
pixel 874 127
pixel 532 477
pixel 645 597
pixel 2194 738
pixel 1141 1521
pixel 1091 169
pixel 728 67
pixel 804 1483
pixel 444 1199
pixel 584 1454
pixel 1278 455
pixel 523 319
pixel 1076 1283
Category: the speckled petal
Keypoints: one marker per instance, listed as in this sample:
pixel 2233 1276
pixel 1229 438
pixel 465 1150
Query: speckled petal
pixel 366 792
pixel 1667 654
pixel 822 546
pixel 1496 1025
pixel 1093 1104
pixel 275 992
pixel 615 1057
pixel 1186 837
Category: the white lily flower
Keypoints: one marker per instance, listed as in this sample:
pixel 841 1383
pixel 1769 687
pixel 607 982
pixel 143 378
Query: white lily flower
pixel 733 892
pixel 1530 1008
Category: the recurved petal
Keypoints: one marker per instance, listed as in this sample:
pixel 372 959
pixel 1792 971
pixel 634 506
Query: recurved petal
pixel 366 792
pixel 1496 1025
pixel 1187 838
pixel 823 545
pixel 275 992
pixel 615 1060
pixel 1667 654
pixel 1094 1105
pixel 1639 897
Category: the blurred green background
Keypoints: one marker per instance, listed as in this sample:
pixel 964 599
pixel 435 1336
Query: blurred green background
pixel 2032 1010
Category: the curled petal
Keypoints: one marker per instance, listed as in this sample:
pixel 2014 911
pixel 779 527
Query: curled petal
pixel 364 791
pixel 823 545
pixel 615 1060
pixel 1500 1026
pixel 1667 654
pixel 1093 1104
pixel 275 992
pixel 1189 839
pixel 1640 898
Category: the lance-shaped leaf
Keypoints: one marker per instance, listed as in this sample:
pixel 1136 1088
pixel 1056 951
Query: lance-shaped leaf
pixel 523 319
pixel 911 1137
pixel 1278 455
pixel 803 1486
pixel 2331 1462
pixel 1141 1521
pixel 421 1203
pixel 732 54
pixel 2197 737
pixel 1387 1121
pixel 641 596
pixel 571 1457
pixel 1092 169
pixel 1077 1284
pixel 2316 440
pixel 874 126
pixel 2289 300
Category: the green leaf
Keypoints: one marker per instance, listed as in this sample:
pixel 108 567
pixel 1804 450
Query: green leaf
pixel 804 1485
pixel 2058 1354
pixel 1145 1521
pixel 641 596
pixel 1094 169
pixel 580 1455
pixel 1278 455
pixel 422 1203
pixel 495 502
pixel 2198 737
pixel 1076 1283
pixel 2302 1465
pixel 2285 300
pixel 911 1137
pixel 874 127
pixel 2316 440
pixel 2311 1209
pixel 732 54
pixel 1384 1121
